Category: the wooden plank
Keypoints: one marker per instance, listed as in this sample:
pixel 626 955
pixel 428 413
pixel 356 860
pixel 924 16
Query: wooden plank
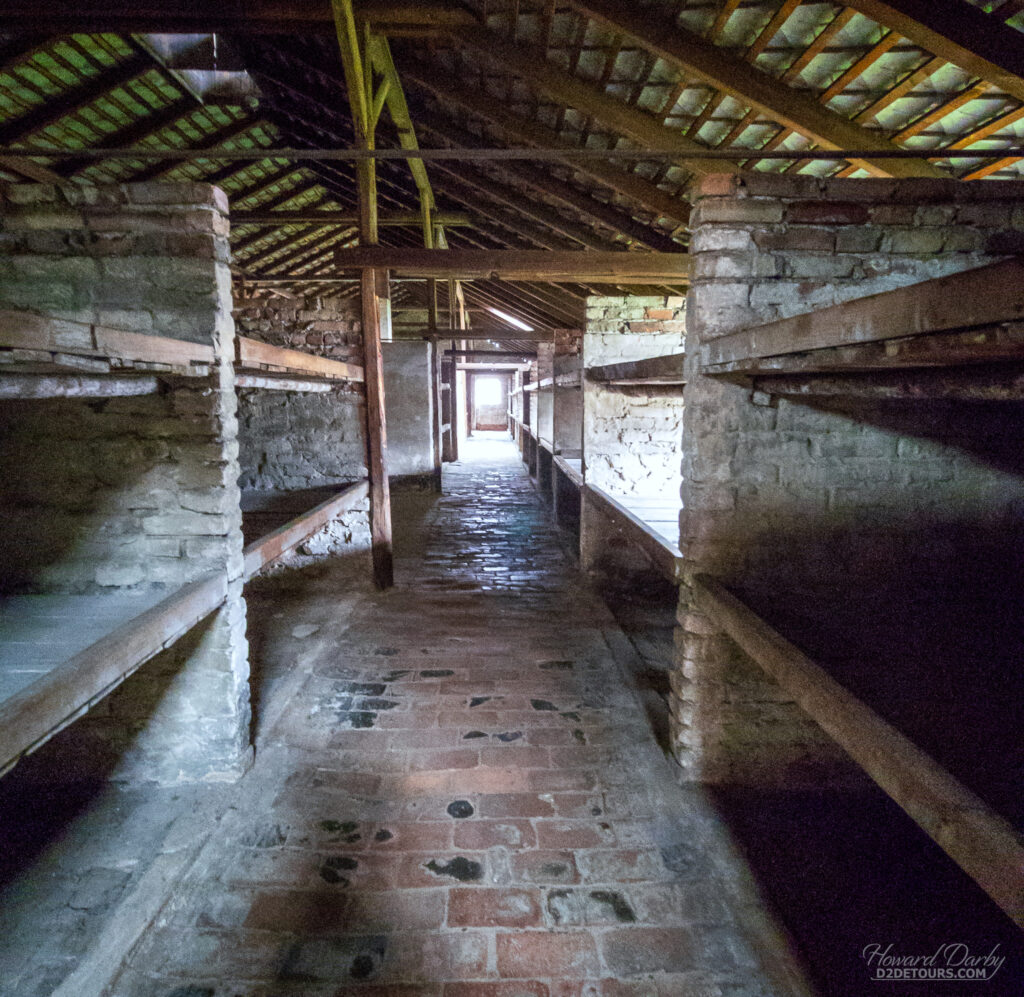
pixel 664 555
pixel 27 330
pixel 569 471
pixel 650 370
pixel 753 88
pixel 984 296
pixel 134 346
pixel 252 354
pixel 376 434
pixel 974 384
pixel 981 842
pixel 988 344
pixel 34 715
pixel 530 265
pixel 272 17
pixel 262 552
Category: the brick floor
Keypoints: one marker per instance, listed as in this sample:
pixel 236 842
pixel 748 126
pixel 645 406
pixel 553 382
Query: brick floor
pixel 463 797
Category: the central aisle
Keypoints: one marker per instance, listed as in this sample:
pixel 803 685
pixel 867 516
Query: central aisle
pixel 459 796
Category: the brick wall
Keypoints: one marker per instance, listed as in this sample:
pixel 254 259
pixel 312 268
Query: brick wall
pixel 135 493
pixel 875 535
pixel 631 436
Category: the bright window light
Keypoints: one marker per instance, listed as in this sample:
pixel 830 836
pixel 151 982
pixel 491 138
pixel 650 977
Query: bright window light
pixel 488 391
pixel 511 319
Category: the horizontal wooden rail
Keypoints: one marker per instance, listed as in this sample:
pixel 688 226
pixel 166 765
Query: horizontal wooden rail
pixel 981 842
pixel 992 344
pixel 572 473
pixel 664 370
pixel 253 355
pixel 983 296
pixel 664 555
pixel 32 716
pixel 261 552
pixel 518 264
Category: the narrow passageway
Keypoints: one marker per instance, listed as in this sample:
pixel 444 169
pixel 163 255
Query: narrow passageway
pixel 459 795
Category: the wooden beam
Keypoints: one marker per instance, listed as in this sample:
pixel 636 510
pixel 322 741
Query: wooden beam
pixel 666 370
pixel 251 354
pixel 986 295
pixel 538 73
pixel 985 345
pixel 957 32
pixel 262 552
pixel 376 434
pixel 273 17
pixel 798 111
pixel 502 332
pixel 474 100
pixel 408 219
pixel 587 267
pixel 963 384
pixel 981 842
pixel 490 354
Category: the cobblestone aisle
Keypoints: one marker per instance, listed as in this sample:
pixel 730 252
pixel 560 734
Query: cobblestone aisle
pixel 463 798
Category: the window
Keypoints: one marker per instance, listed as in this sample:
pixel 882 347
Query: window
pixel 487 391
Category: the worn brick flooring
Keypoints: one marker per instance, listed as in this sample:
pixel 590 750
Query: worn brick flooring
pixel 461 796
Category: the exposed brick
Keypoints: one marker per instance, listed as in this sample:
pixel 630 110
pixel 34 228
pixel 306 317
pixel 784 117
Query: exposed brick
pixel 826 213
pixel 494 908
pixel 483 834
pixel 545 867
pixel 635 951
pixel 529 954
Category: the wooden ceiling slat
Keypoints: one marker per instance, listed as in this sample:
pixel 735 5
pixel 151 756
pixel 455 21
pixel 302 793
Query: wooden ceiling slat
pixel 947 107
pixel 753 88
pixel 904 87
pixel 955 31
pixel 771 29
pixel 72 100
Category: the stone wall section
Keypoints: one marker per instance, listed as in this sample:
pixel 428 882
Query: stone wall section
pixel 831 519
pixel 631 436
pixel 294 441
pixel 138 493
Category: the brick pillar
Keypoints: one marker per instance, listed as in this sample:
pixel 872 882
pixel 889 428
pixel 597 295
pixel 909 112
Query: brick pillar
pixel 816 512
pixel 137 495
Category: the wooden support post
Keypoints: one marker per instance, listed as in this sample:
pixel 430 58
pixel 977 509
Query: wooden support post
pixel 437 396
pixel 376 435
pixel 359 81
